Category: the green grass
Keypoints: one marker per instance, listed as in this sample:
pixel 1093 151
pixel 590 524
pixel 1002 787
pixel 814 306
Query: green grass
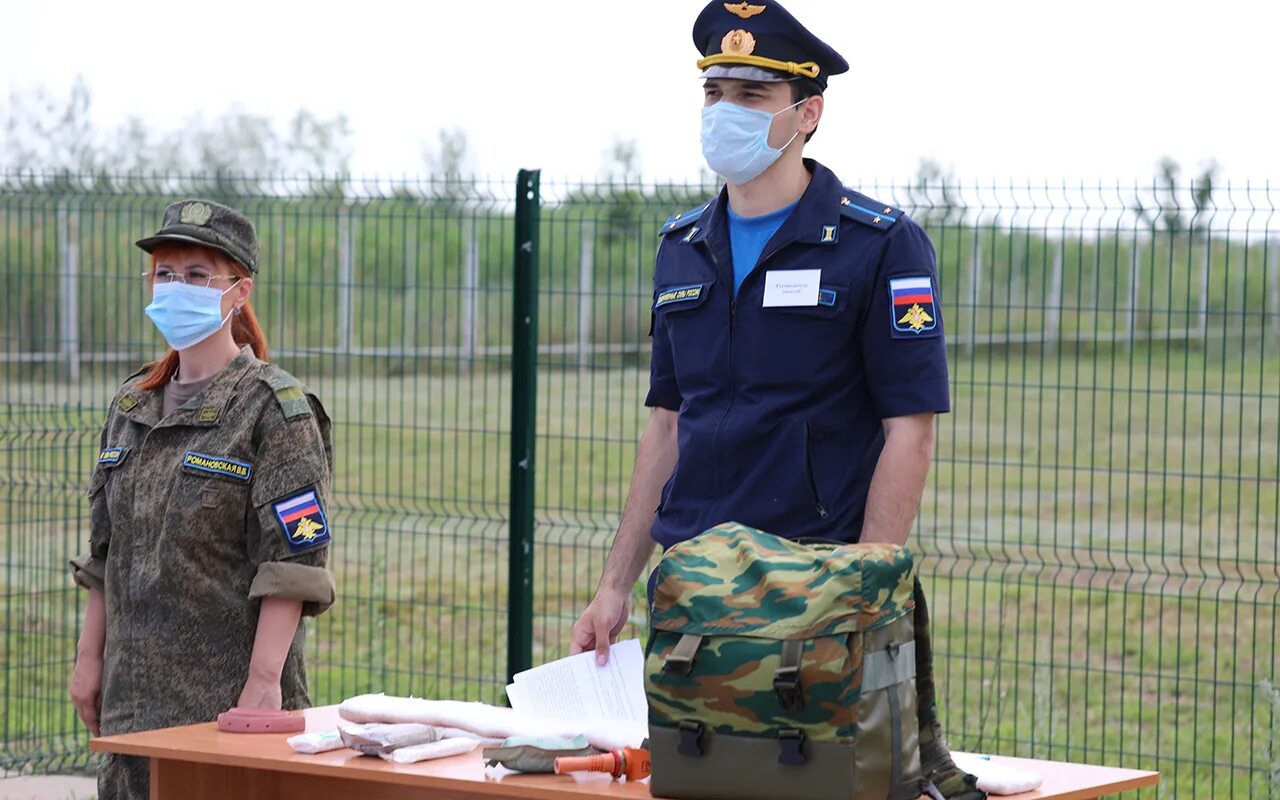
pixel 1099 542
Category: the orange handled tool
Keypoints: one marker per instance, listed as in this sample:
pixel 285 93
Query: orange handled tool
pixel 631 763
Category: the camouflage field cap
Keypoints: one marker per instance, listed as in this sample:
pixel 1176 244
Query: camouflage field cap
pixel 210 224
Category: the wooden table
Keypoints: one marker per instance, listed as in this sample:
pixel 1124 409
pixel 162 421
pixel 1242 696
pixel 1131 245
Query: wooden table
pixel 198 762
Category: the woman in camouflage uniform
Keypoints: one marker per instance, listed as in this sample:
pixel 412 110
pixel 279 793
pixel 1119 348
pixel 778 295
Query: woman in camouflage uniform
pixel 208 533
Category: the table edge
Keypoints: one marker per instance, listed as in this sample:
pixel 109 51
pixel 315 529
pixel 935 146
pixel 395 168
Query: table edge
pixel 386 775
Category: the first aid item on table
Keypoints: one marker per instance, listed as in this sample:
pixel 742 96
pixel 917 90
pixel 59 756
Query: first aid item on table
pixel 378 738
pixel 260 720
pixel 312 743
pixel 488 722
pixel 631 763
pixel 536 754
pixel 997 778
pixel 444 748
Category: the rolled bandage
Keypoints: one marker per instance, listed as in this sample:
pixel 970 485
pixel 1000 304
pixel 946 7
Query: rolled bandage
pixel 376 739
pixel 996 778
pixel 312 743
pixel 427 752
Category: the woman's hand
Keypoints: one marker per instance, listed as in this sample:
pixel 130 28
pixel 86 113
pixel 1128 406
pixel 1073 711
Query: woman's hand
pixel 86 679
pixel 86 690
pixel 260 692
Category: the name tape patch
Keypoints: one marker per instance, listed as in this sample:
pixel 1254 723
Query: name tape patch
pixel 678 295
pixel 218 465
pixel 111 456
pixel 302 520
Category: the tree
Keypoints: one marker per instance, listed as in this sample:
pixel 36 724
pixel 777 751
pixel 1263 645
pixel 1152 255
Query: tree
pixel 621 161
pixel 934 197
pixel 48 136
pixel 1167 214
pixel 53 140
pixel 447 163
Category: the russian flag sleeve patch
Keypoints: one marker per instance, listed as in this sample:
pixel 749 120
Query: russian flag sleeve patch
pixel 302 520
pixel 913 306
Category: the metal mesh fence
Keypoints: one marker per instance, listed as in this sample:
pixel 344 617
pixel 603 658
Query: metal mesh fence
pixel 1099 533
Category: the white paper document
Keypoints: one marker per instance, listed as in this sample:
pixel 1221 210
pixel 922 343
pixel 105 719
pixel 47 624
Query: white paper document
pixel 576 690
pixel 791 287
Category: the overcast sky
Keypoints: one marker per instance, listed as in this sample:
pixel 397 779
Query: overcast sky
pixel 1088 89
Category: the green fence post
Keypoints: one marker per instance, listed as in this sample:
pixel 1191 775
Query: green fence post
pixel 524 378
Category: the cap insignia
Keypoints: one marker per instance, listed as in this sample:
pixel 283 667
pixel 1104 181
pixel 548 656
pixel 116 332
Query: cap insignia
pixel 195 214
pixel 743 9
pixel 738 43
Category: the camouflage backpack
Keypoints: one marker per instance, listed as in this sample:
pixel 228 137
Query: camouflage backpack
pixel 777 669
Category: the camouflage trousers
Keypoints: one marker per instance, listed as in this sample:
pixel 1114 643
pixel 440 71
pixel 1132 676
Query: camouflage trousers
pixel 124 778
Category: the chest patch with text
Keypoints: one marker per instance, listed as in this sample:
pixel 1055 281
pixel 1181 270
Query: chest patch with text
pixel 680 294
pixel 217 465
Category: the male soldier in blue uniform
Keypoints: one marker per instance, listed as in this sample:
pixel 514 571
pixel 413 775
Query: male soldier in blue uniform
pixel 798 354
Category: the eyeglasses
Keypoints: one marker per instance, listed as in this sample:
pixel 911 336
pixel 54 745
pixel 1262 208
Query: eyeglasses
pixel 168 276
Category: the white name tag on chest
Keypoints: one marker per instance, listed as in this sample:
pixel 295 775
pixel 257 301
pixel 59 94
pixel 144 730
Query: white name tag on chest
pixel 791 287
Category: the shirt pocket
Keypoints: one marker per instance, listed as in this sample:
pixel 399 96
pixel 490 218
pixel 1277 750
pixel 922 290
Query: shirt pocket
pixel 220 484
pixel 97 482
pixel 686 319
pixel 109 478
pixel 204 524
pixel 801 346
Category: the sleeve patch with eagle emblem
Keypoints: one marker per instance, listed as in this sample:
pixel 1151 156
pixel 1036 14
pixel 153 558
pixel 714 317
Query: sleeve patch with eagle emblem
pixel 302 520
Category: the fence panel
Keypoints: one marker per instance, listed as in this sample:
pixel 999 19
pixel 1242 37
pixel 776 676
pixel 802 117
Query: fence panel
pixel 1098 533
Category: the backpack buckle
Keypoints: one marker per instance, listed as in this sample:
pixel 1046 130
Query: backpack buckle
pixel 690 739
pixel 790 747
pixel 786 685
pixel 786 678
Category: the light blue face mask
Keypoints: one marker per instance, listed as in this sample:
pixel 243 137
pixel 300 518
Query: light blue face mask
pixel 735 140
pixel 185 314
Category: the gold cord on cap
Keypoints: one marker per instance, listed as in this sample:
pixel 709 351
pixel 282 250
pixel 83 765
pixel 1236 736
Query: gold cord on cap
pixel 808 69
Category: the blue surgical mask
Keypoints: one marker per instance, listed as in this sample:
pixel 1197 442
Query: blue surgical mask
pixel 735 140
pixel 185 314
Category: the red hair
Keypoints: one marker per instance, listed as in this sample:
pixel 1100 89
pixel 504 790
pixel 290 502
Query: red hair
pixel 244 323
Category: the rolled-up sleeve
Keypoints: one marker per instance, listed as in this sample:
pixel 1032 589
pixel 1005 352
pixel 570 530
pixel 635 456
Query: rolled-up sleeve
pixel 291 498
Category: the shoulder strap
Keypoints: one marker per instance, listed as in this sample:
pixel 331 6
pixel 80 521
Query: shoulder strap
pixel 868 211
pixel 685 218
pixel 288 391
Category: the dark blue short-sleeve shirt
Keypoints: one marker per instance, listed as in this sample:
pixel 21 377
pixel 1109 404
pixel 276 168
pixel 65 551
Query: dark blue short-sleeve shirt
pixel 781 406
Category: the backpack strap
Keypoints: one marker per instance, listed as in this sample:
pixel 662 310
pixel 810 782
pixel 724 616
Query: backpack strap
pixel 885 668
pixel 786 678
pixel 942 778
pixel 680 659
